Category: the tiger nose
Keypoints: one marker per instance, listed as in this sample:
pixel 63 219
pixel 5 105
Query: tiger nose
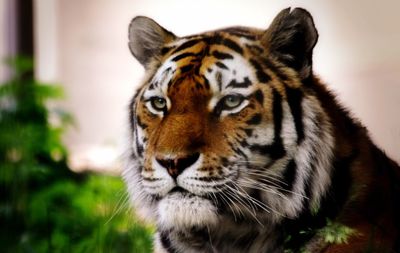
pixel 176 166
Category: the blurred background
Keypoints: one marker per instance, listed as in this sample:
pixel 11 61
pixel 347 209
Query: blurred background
pixel 66 78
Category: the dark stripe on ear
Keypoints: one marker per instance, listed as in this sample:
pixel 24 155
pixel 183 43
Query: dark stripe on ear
pixel 295 97
pixel 221 56
pixel 261 75
pixel 166 243
pixel 246 83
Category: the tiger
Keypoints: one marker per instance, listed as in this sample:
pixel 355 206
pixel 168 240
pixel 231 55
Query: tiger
pixel 235 145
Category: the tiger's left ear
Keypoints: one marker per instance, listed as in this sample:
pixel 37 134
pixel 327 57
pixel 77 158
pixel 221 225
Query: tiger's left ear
pixel 147 38
pixel 291 38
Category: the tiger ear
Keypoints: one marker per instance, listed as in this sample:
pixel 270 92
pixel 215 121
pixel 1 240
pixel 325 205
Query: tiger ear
pixel 291 38
pixel 146 39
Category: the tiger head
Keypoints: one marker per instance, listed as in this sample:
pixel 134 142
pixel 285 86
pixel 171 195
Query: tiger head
pixel 224 125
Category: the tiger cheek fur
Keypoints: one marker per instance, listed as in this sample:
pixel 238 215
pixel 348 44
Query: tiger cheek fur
pixel 237 147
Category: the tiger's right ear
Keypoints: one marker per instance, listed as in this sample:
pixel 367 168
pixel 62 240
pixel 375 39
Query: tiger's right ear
pixel 146 39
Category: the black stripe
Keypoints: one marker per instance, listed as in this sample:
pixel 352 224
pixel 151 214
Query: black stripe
pixel 277 114
pixel 248 131
pixel 186 45
pixel 218 40
pixel 232 45
pixel 289 176
pixel 140 123
pixel 243 143
pixel 206 83
pixel 255 49
pixel 267 63
pixel 166 243
pixel 221 55
pixel 259 96
pixel 235 84
pixel 218 76
pixel 294 98
pixel 276 149
pixel 241 32
pixel 255 120
pixel 165 50
pixel 261 75
pixel 221 65
pixel 224 161
pixel 181 56
pixel 199 86
pixel 151 86
pixel 237 150
pixel 186 68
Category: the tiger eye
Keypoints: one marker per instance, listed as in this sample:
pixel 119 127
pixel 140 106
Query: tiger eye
pixel 232 101
pixel 159 103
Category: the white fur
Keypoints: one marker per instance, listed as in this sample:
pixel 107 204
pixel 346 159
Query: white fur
pixel 183 211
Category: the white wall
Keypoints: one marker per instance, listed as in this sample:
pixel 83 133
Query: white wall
pixel 8 37
pixel 358 55
pixel 2 34
pixel 46 17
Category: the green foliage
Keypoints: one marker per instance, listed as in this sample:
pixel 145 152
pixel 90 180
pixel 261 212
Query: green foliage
pixel 44 207
pixel 336 233
pixel 85 217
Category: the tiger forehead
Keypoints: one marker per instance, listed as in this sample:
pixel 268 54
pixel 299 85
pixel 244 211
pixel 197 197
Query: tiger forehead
pixel 216 61
pixel 234 39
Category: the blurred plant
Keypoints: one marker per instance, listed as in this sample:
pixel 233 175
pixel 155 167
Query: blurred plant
pixel 44 206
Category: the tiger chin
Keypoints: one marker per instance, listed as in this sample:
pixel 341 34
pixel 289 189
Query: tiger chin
pixel 236 146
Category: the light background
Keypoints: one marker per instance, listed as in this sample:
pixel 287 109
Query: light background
pixel 82 44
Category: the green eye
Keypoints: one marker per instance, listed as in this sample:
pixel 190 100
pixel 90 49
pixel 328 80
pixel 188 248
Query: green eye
pixel 158 103
pixel 232 101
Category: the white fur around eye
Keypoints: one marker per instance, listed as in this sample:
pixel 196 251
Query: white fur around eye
pixel 236 109
pixel 154 111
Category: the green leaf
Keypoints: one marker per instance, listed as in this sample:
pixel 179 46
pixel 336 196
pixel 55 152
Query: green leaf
pixel 336 233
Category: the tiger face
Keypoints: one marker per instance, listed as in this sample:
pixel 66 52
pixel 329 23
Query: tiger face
pixel 218 124
pixel 237 147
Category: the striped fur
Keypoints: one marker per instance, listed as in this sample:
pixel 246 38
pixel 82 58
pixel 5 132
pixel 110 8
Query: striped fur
pixel 236 146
